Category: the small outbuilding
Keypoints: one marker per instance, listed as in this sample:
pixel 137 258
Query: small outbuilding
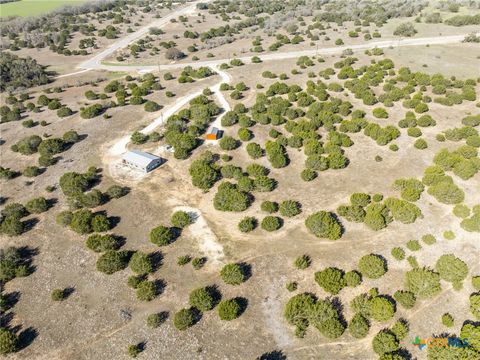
pixel 213 134
pixel 141 160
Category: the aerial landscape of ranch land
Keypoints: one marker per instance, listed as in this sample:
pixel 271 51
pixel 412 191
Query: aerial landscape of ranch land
pixel 240 179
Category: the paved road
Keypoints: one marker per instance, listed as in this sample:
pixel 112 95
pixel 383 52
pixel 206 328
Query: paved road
pixel 437 40
pixel 95 61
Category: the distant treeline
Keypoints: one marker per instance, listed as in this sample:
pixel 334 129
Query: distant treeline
pixel 7 1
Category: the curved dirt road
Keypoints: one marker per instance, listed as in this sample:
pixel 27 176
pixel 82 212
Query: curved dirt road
pixel 120 146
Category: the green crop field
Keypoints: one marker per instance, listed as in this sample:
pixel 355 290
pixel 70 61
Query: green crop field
pixel 34 7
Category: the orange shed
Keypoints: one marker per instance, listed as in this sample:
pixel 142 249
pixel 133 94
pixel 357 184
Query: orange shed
pixel 212 134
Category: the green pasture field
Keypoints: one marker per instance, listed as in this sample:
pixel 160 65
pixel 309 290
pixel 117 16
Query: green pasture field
pixel 34 7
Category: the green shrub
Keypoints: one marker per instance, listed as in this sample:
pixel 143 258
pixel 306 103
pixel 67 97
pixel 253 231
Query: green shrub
pixel 254 150
pixel 134 350
pixel 181 219
pixel 271 223
pixel 302 262
pixel 398 253
pixel 414 132
pixel 244 134
pixel 380 113
pixel 257 170
pixel 475 305
pixel 229 309
pixel 229 198
pixel 162 235
pixel 155 320
pixel 372 266
pixel 291 286
pixel 101 243
pixel 385 342
pixel 141 263
pixel 269 206
pixel 412 260
pixel 420 144
pixel 151 106
pixel 358 326
pixel 138 138
pixel 37 205
pixel 228 143
pixel 423 282
pixel 58 295
pixel 31 171
pixel 405 298
pixel 447 320
pixel 82 221
pixel 353 278
pixel 429 239
pixel 324 224
pixel 92 111
pixel 451 268
pixel 360 199
pixel 233 274
pixel 331 279
pixel 64 111
pixel 405 29
pixel 146 291
pixel 198 262
pixel 112 261
pixel 449 235
pixel 100 223
pixel 289 208
pixel 135 280
pixel 476 282
pixel 308 174
pixel 400 329
pixel 413 245
pixel 264 184
pixel 247 224
pixel 183 319
pixel 402 210
pixel 461 211
pixel 202 299
pixel 9 341
pixel 381 308
pixel 183 260
pixel 116 192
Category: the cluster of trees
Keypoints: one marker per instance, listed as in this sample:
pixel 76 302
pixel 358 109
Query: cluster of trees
pixel 305 309
pixel 55 29
pixel 11 220
pixel 14 262
pixel 182 129
pixel 84 221
pixel 411 189
pixel 377 215
pixel 189 73
pixel 20 72
pixel 333 280
pixel 472 223
pixel 47 148
pixel 205 299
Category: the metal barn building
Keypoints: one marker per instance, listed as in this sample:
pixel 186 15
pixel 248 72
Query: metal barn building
pixel 141 160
